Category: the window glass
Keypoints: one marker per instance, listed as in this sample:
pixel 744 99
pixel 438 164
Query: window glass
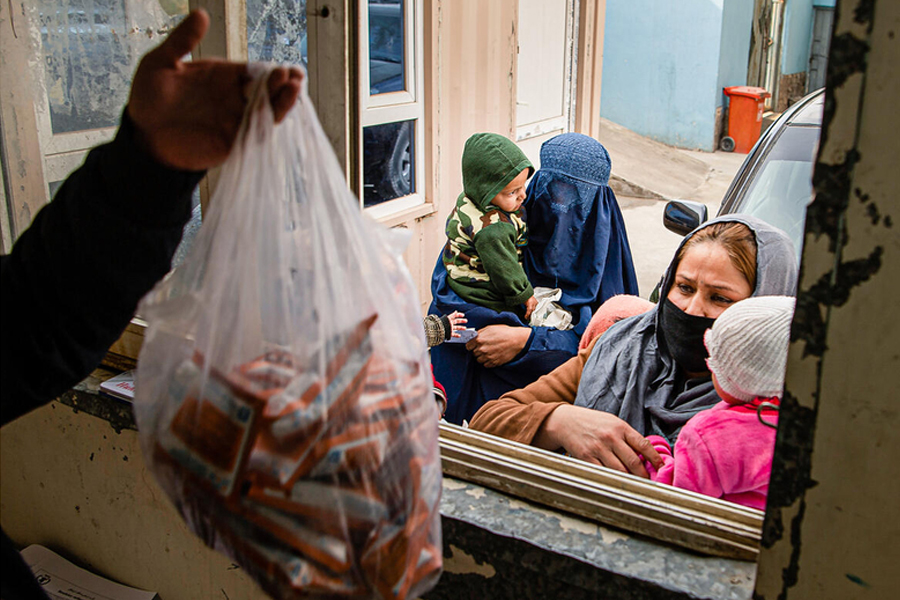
pixel 54 186
pixel 388 161
pixel 387 48
pixel 90 50
pixel 276 31
pixel 190 231
pixel 782 188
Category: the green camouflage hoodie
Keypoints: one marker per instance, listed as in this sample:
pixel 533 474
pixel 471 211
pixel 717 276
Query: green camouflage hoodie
pixel 483 254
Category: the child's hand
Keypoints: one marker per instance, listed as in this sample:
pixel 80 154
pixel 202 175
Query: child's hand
pixel 457 323
pixel 530 305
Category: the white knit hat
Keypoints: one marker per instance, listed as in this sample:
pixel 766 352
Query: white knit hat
pixel 748 347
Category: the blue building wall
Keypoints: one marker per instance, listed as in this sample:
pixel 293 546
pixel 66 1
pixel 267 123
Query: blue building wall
pixel 798 20
pixel 734 55
pixel 665 63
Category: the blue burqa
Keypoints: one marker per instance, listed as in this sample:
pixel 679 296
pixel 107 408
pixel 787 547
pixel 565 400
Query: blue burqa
pixel 577 243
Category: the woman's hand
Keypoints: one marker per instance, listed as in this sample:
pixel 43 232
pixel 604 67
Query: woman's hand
pixel 187 114
pixel 598 437
pixel 496 345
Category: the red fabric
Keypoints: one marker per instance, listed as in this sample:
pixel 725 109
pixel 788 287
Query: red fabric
pixel 440 394
pixel 437 384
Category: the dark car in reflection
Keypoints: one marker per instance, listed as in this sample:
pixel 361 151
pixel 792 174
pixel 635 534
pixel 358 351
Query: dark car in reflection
pixel 388 148
pixel 775 181
pixel 388 161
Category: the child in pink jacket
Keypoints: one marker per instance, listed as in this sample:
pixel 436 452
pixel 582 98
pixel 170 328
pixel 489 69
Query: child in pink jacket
pixel 726 451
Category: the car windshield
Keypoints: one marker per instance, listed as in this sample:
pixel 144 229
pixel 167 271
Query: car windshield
pixel 782 187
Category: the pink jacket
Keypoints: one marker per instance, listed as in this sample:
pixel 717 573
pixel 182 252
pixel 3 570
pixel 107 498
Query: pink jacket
pixel 723 452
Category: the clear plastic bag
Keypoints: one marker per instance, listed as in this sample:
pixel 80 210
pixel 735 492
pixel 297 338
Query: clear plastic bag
pixel 283 395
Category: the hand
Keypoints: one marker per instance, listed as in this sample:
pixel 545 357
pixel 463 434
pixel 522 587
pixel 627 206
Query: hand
pixel 530 305
pixel 598 437
pixel 496 345
pixel 187 114
pixel 457 323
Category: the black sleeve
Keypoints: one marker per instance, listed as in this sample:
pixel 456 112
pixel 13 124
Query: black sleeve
pixel 73 280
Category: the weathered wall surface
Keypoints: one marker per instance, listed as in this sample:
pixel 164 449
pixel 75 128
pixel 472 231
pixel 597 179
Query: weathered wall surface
pixel 664 65
pixel 832 526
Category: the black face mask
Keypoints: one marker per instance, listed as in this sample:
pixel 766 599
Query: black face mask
pixel 683 336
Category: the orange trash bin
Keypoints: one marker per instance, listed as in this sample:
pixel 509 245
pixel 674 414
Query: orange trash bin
pixel 745 110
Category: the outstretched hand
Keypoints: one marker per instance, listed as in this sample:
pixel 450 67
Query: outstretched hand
pixel 598 437
pixel 187 114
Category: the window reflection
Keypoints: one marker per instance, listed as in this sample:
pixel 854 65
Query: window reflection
pixel 386 47
pixel 276 31
pixel 782 188
pixel 191 228
pixel 91 49
pixel 388 161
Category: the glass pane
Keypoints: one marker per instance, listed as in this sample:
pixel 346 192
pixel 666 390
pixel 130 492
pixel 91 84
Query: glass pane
pixel 388 161
pixel 276 31
pixel 190 231
pixel 386 47
pixel 54 187
pixel 782 187
pixel 91 49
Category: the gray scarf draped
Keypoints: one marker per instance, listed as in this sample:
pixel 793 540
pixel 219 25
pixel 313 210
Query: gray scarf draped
pixel 630 374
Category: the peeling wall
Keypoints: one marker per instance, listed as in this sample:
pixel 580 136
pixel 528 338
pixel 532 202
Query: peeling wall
pixel 832 527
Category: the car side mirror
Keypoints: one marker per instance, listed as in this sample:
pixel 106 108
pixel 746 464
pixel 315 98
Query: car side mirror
pixel 684 216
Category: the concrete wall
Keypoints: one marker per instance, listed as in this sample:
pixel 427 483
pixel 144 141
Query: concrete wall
pixel 734 53
pixel 664 65
pixel 798 19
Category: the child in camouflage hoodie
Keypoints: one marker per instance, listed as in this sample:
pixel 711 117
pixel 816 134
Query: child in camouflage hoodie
pixel 486 231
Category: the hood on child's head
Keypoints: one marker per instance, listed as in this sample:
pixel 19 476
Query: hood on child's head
pixel 489 162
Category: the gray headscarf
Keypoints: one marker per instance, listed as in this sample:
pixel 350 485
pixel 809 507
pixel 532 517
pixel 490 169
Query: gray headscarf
pixel 630 374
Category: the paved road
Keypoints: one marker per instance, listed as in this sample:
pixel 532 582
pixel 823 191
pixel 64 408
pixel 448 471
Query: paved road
pixel 652 245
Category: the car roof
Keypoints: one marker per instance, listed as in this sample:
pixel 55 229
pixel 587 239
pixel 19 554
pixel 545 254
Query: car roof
pixel 810 112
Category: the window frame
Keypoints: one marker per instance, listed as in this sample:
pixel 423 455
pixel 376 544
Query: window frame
pixel 392 107
pixel 664 513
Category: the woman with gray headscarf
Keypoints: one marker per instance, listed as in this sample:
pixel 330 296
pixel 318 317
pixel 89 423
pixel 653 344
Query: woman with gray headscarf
pixel 647 374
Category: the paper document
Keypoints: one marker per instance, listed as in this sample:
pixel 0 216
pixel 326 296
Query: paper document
pixel 121 386
pixel 62 580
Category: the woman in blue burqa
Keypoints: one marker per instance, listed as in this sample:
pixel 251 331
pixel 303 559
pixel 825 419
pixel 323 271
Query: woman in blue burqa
pixel 577 243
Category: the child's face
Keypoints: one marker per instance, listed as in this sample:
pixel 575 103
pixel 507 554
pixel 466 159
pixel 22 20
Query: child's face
pixel 512 196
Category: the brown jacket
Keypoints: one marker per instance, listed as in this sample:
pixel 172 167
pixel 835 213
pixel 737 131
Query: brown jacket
pixel 518 415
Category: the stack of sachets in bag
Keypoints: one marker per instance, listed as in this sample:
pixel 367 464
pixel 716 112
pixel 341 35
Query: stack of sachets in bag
pixel 288 462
